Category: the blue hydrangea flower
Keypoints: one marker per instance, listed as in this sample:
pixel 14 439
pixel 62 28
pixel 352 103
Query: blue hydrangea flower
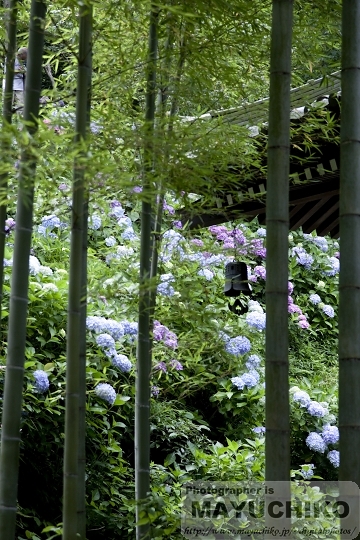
pixel 110 241
pixel 253 362
pixel 334 264
pixel 129 234
pixel 253 305
pixel 315 299
pixel 330 434
pixel 122 362
pixel 223 336
pixel 238 346
pixel 206 273
pixel 130 328
pixel 303 258
pixel 94 222
pixel 34 265
pixel 238 382
pixel 307 472
pixel 251 379
pixel 256 320
pixel 49 222
pixel 165 289
pixel 125 222
pixel 261 232
pixel 315 409
pixel 114 328
pixel 106 392
pixel 328 310
pixel 334 458
pixel 41 381
pixel 321 243
pixel 315 442
pixel 105 340
pixel 302 398
pixel 94 323
pixel 260 430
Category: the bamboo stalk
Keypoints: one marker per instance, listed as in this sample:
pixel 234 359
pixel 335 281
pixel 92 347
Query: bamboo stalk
pixel 75 320
pixel 277 453
pixel 142 400
pixel 10 436
pixel 349 286
pixel 81 510
pixel 6 140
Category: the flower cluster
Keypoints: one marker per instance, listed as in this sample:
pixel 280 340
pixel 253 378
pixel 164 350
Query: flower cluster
pixel 162 333
pixel 307 471
pixel 106 392
pixel 334 266
pixel 120 361
pixel 251 378
pixel 319 241
pixel 164 288
pixel 294 308
pixel 256 317
pixel 238 345
pixel 325 308
pixel 302 257
pixel 174 364
pixel 41 381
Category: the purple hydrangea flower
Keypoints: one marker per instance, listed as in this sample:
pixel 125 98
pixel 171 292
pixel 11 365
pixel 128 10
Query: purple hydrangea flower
pixel 315 442
pixel 176 365
pixel 137 189
pixel 197 242
pixel 9 225
pixel 170 340
pixel 63 187
pixel 41 381
pixel 290 287
pixel 106 392
pixel 238 346
pixel 303 324
pixel 155 390
pixel 334 458
pixel 161 366
pixel 315 409
pixel 177 224
pixel 260 271
pixel 330 434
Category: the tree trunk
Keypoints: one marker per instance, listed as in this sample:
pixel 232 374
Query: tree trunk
pixel 142 402
pixel 277 220
pixel 10 436
pixel 75 321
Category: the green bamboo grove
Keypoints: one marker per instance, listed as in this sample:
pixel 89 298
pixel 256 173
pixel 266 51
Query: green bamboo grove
pixel 12 402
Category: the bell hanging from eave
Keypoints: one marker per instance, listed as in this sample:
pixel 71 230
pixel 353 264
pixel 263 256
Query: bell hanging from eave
pixel 236 279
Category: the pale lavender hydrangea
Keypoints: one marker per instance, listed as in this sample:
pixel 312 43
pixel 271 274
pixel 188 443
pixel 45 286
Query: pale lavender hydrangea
pixel 334 265
pixel 303 324
pixel 303 258
pixel 328 310
pixel 94 222
pixel 238 382
pixel 238 346
pixel 106 392
pixel 206 273
pixel 165 289
pixel 260 271
pixel 110 241
pixel 105 340
pixel 334 458
pixel 130 328
pixel 315 442
pixel 290 287
pixel 41 381
pixel 197 242
pixel 49 222
pixel 9 225
pixel 177 224
pixel 302 398
pixel 259 430
pixel 155 390
pixel 315 409
pixel 129 234
pixel 261 232
pixel 251 379
pixel 256 320
pixel 315 299
pixel 125 222
pixel 330 434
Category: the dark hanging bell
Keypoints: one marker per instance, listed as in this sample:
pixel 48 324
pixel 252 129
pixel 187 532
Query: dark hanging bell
pixel 236 279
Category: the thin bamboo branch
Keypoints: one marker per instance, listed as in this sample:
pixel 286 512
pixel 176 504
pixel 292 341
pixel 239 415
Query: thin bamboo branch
pixel 277 453
pixel 142 401
pixel 75 321
pixel 6 139
pixel 10 436
pixel 349 285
